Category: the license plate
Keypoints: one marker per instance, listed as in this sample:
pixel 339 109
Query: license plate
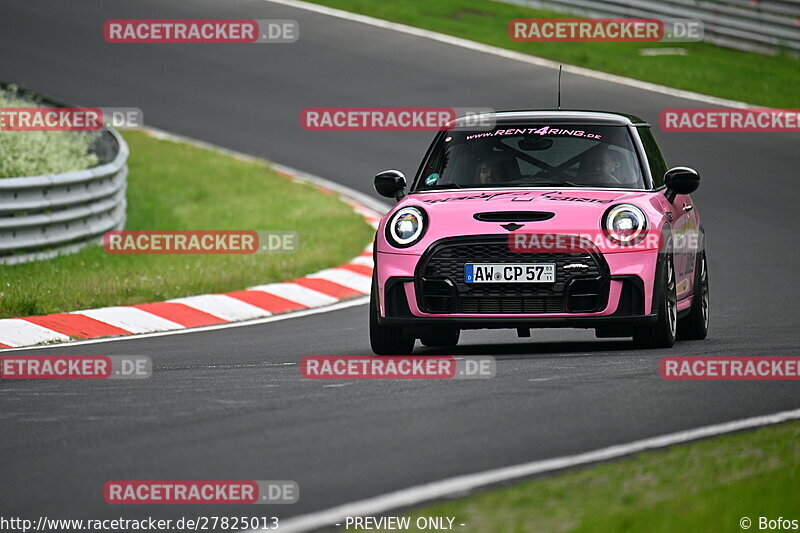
pixel 508 273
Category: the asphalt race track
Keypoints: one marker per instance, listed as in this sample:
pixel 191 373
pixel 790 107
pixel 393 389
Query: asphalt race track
pixel 230 403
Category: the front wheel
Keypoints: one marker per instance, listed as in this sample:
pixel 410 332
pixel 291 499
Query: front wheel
pixel 386 340
pixel 695 326
pixel 662 333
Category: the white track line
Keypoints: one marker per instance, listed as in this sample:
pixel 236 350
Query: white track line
pixel 509 54
pixel 351 280
pixel 222 306
pixel 16 332
pixel 130 319
pixel 363 260
pixel 412 496
pixel 296 293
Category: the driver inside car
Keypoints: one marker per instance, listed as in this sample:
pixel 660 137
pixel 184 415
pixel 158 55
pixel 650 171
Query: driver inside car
pixel 599 164
pixel 497 168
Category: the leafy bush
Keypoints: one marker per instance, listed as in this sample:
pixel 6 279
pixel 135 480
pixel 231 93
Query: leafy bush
pixel 33 153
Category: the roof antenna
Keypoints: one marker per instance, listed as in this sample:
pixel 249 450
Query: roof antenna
pixel 559 86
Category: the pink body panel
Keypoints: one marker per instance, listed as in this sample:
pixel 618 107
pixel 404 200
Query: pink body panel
pixel 576 211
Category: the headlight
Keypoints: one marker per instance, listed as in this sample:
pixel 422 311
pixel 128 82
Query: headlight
pixel 625 224
pixel 406 227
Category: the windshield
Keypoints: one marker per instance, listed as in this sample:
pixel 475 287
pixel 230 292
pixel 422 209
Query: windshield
pixel 533 156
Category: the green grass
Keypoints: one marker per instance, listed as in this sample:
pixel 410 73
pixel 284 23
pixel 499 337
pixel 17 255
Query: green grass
pixel 34 153
pixel 173 186
pixel 707 69
pixel 706 486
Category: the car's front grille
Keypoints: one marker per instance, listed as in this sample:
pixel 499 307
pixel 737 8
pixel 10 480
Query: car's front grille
pixel 511 304
pixel 441 287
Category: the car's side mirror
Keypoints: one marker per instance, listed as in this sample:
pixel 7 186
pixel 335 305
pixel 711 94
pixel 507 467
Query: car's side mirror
pixel 391 184
pixel 681 180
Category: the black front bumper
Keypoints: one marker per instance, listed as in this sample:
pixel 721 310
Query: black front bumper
pixel 629 312
pixel 610 321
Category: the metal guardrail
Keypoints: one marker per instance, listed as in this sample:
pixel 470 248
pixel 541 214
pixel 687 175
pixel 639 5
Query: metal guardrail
pixel 764 26
pixel 44 216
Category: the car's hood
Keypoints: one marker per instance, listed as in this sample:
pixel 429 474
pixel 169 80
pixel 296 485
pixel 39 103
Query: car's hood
pixel 453 213
pixel 520 197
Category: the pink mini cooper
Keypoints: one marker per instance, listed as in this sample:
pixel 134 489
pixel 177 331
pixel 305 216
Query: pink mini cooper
pixel 543 219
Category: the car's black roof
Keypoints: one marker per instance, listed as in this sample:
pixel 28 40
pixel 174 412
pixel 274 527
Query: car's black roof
pixel 566 116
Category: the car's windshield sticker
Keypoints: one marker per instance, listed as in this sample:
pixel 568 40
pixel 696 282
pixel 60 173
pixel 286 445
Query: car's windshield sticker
pixel 432 179
pixel 544 130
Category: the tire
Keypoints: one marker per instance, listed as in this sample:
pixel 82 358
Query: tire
pixel 695 325
pixel 662 333
pixel 441 338
pixel 386 340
